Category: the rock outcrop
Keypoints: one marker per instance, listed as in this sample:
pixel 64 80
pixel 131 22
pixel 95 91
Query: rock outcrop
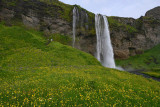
pixel 133 36
pixel 39 15
pixel 129 36
pixel 154 13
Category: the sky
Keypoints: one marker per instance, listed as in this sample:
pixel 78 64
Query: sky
pixel 121 8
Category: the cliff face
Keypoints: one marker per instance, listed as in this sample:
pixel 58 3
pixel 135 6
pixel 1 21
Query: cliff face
pixel 154 13
pixel 51 17
pixel 129 36
pixel 39 15
pixel 133 36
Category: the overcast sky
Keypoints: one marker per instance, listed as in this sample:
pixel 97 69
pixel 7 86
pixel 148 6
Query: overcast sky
pixel 122 8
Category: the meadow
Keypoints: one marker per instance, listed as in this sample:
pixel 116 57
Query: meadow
pixel 38 72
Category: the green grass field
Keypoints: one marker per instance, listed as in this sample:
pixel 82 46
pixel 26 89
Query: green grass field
pixel 34 73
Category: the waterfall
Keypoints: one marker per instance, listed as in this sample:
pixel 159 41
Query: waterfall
pixel 75 20
pixel 80 21
pixel 86 21
pixel 104 47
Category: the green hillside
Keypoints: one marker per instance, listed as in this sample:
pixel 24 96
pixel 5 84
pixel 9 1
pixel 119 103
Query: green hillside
pixel 36 72
pixel 149 61
pixel 29 49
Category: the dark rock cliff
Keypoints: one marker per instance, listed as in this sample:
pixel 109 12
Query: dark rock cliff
pixel 154 13
pixel 39 15
pixel 129 36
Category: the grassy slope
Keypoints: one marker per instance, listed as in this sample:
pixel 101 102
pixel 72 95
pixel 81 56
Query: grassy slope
pixel 153 73
pixel 17 43
pixel 150 61
pixel 32 73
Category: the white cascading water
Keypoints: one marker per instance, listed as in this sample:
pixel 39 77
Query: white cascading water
pixel 104 47
pixel 80 18
pixel 86 26
pixel 75 20
pixel 74 25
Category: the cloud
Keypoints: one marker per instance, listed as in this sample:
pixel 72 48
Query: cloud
pixel 122 8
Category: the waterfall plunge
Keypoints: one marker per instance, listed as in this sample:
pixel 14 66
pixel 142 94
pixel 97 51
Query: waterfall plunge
pixel 104 47
pixel 80 20
pixel 75 20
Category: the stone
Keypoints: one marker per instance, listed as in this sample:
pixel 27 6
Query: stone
pixel 154 13
pixel 7 14
pixel 121 54
pixel 30 21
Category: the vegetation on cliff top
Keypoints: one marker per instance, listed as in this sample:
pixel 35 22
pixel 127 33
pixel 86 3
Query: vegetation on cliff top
pixel 117 26
pixel 35 74
pixel 64 10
